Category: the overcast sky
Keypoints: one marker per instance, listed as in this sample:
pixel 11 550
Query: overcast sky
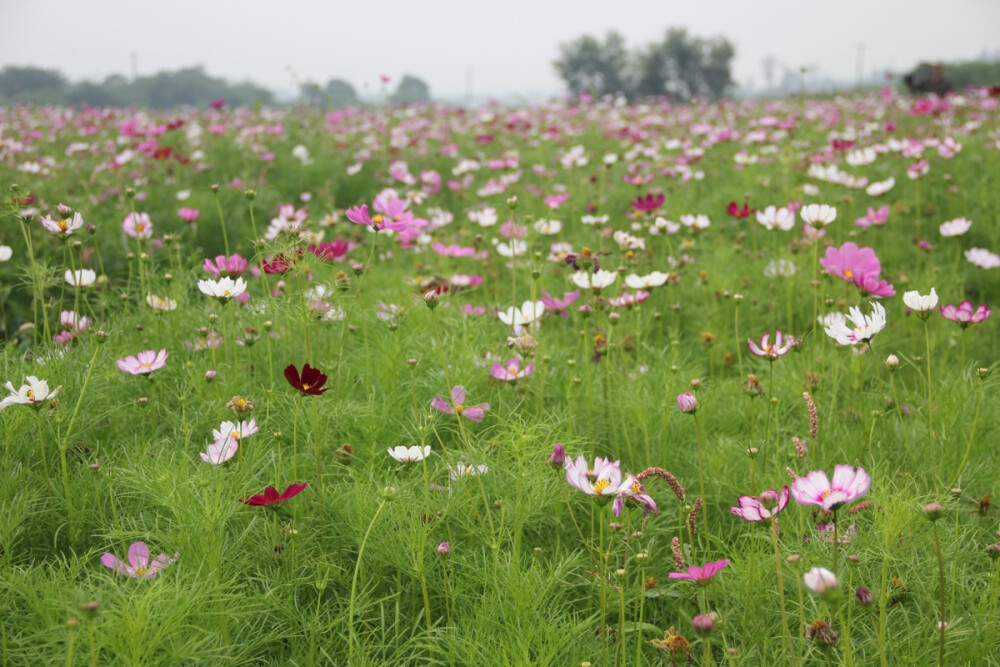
pixel 507 45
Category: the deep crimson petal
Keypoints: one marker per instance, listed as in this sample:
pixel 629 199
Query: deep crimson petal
pixel 292 491
pixel 292 375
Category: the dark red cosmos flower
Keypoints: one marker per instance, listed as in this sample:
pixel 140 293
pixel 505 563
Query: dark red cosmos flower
pixel 272 497
pixel 310 382
pixel 738 212
pixel 217 104
pixel 648 203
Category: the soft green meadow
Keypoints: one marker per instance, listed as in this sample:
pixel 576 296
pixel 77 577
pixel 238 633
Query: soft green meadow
pixel 483 553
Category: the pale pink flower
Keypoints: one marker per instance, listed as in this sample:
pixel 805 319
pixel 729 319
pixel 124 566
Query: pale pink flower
pixel 143 363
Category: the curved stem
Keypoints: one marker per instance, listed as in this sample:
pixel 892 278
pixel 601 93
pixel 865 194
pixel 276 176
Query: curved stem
pixel 354 585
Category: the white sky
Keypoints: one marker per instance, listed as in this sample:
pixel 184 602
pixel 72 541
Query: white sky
pixel 508 44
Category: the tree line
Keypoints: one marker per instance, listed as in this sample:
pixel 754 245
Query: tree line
pixel 680 66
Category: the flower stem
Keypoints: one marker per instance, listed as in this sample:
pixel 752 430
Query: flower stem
pixel 781 590
pixel 701 481
pixel 972 436
pixel 930 404
pixel 354 585
pixel 941 624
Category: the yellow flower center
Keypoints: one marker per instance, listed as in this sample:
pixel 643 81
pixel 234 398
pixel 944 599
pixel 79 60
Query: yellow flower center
pixel 31 394
pixel 146 366
pixel 601 485
pixel 226 293
pixel 139 226
pixel 512 370
pixel 377 219
pixel 64 225
pixel 459 409
pixel 305 387
pixel 825 494
pixel 848 274
pixel 141 571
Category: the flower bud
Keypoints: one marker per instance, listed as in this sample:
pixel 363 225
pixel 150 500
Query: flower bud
pixel 865 596
pixel 703 625
pixel 892 362
pixel 687 402
pixel 769 499
pixel 933 511
pixel 558 455
pixel 214 187
pixel 444 549
pixel 249 194
pixel 209 375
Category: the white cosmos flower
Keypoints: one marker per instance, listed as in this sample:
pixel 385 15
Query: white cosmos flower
pixel 548 227
pixel 410 454
pixel 626 241
pixel 235 430
pixel 515 248
pixel 881 187
pixel 699 221
pixel 818 215
pixel 654 279
pixel 6 252
pixel 524 317
pixel 921 304
pixel 462 470
pixel 595 281
pixel 864 329
pixel 160 303
pixel 820 580
pixel 780 268
pixel 860 157
pixel 982 258
pixel 594 219
pixel 955 227
pixel 34 393
pixel 81 277
pixel 220 451
pixel 224 288
pixel 776 218
pixel 662 223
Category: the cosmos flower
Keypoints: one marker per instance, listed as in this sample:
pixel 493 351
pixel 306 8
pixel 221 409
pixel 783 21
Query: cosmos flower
pixel 272 497
pixel 143 363
pixel 235 430
pixel 701 575
pixel 161 304
pixel 963 315
pixel 559 306
pixel 982 258
pixel 847 486
pixel 818 215
pixel 81 277
pixel 524 318
pixel 460 470
pixel 955 227
pixel 188 214
pixel 35 393
pixel 220 451
pixel 138 226
pixel 595 281
pixel 63 227
pixel 865 326
pixel 410 454
pixel 310 382
pixel 458 407
pixel 921 304
pixel 648 203
pixel 138 565
pixel 654 279
pixel 512 371
pixel 763 508
pixel 223 289
pixel 6 252
pixel 234 265
pixel 820 580
pixel 776 218
pixel 605 479
pixel 769 350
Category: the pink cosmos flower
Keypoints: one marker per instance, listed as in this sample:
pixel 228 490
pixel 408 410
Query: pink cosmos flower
pixel 769 350
pixel 143 363
pixel 857 265
pixel 138 226
pixel 330 251
pixel 629 299
pixel 453 250
pixel 220 451
pixel 816 489
pixel 701 575
pixel 512 370
pixel 138 566
pixel 233 266
pixel 188 214
pixel 555 201
pixel 874 216
pixel 764 508
pixel 458 407
pixel 473 311
pixel 559 306
pixel 963 315
pixel 605 480
pixel 648 203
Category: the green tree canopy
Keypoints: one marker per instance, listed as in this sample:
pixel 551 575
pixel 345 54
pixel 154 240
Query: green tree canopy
pixel 410 90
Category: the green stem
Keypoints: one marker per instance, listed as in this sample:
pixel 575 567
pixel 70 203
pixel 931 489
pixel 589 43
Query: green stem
pixel 781 590
pixel 941 624
pixel 354 585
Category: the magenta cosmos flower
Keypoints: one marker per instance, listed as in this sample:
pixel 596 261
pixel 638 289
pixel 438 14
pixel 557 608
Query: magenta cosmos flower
pixel 857 265
pixel 458 407
pixel 701 575
pixel 769 350
pixel 764 508
pixel 234 265
pixel 138 565
pixel 816 489
pixel 512 370
pixel 272 497
pixel 647 203
pixel 963 315
pixel 143 363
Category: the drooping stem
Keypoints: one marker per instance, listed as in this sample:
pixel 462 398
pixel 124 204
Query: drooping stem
pixel 354 585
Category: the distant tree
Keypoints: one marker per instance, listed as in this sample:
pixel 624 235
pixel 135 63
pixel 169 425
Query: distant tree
pixel 339 93
pixel 410 90
pixel 30 83
pixel 310 94
pixel 589 66
pixel 684 66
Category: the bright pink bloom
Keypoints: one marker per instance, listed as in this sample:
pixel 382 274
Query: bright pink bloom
pixel 816 489
pixel 188 214
pixel 764 508
pixel 849 260
pixel 555 201
pixel 648 203
pixel 144 363
pixel 458 407
pixel 964 315
pixel 559 306
pixel 138 566
pixel 330 251
pixel 701 575
pixel 512 370
pixel 233 266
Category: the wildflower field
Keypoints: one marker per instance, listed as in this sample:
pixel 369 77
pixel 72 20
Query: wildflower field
pixel 577 383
